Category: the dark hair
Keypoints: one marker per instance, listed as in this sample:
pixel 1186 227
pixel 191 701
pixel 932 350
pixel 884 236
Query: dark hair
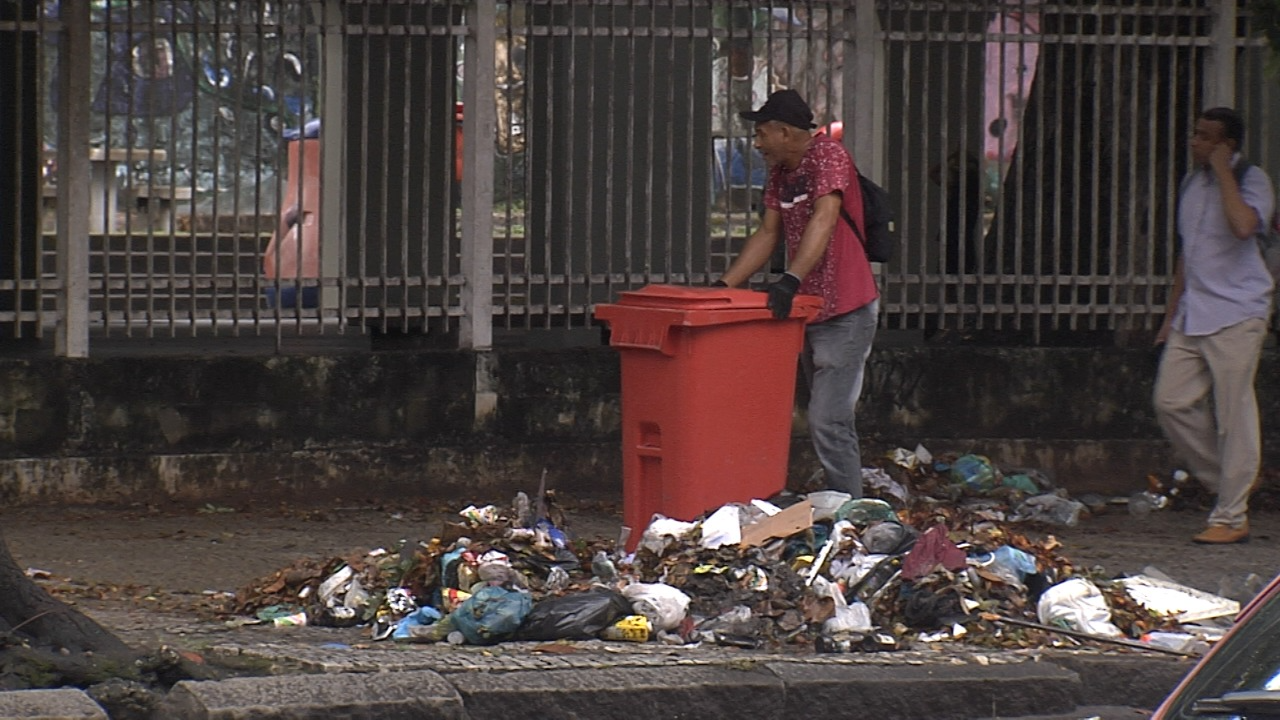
pixel 1232 123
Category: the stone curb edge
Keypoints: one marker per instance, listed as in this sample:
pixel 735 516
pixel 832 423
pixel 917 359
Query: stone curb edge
pixel 744 689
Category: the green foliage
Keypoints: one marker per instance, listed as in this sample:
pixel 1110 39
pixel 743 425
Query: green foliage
pixel 1265 21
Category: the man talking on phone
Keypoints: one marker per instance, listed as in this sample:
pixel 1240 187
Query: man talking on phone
pixel 1215 322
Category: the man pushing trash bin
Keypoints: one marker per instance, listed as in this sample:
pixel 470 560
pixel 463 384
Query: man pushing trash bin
pixel 811 198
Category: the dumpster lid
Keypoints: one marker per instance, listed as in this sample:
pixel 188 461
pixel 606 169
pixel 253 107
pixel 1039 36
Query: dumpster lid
pixel 682 297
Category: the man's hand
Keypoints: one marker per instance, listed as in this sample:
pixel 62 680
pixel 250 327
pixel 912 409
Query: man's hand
pixel 1162 335
pixel 1220 157
pixel 720 283
pixel 781 293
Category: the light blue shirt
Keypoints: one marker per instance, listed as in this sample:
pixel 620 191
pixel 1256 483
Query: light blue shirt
pixel 1225 280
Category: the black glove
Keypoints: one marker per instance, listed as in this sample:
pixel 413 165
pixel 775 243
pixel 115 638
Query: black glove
pixel 719 283
pixel 781 293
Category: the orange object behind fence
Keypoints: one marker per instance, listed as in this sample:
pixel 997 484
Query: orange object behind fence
pixel 294 250
pixel 708 387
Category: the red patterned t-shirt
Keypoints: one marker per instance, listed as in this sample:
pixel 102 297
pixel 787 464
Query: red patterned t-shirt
pixel 842 278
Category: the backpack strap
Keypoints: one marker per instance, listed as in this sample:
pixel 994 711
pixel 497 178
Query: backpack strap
pixel 847 218
pixel 1239 171
pixel 856 186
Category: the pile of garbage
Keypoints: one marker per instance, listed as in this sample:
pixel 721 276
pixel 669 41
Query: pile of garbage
pixel 940 550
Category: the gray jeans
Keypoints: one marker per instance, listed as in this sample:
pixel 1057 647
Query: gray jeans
pixel 835 353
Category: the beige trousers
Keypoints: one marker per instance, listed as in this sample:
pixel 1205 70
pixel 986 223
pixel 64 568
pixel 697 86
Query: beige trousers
pixel 1206 405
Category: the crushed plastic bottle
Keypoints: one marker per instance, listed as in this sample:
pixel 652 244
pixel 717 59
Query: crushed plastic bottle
pixel 1177 491
pixel 1176 641
pixel 1144 502
pixel 557 580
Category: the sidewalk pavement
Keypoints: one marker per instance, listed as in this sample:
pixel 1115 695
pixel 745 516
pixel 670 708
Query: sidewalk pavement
pixel 313 672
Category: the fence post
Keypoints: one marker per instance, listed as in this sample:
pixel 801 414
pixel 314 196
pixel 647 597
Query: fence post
pixel 1220 61
pixel 864 89
pixel 75 57
pixel 479 112
pixel 333 99
pixel 478 126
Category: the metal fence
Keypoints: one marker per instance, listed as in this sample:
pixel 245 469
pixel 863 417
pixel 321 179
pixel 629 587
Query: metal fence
pixel 301 167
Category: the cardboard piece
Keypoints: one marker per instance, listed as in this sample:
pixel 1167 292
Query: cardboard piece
pixel 1185 604
pixel 786 523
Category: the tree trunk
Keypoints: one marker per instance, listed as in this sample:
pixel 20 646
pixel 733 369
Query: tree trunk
pixel 42 637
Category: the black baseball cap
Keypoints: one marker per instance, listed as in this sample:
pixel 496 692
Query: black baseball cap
pixel 784 106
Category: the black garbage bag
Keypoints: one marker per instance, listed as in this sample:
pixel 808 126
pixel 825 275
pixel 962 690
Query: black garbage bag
pixel 889 537
pixel 574 617
pixel 925 609
pixel 541 564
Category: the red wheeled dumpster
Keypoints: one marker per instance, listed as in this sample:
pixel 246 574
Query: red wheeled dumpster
pixel 708 387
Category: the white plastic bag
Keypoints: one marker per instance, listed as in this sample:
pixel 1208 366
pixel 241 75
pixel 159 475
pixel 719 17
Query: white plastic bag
pixel 1050 508
pixel 664 532
pixel 850 618
pixel 664 605
pixel 724 527
pixel 1077 604
pixel 826 502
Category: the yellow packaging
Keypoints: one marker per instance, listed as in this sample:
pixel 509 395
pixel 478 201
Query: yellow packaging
pixel 632 628
pixel 451 598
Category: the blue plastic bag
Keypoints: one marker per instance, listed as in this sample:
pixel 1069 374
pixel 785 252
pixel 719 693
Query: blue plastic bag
pixel 975 471
pixel 491 615
pixel 421 617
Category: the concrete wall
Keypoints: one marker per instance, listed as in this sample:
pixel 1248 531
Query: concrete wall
pixel 391 424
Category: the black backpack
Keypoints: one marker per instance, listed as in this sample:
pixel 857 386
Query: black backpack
pixel 877 216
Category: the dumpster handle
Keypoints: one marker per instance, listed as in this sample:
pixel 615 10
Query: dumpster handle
pixel 650 328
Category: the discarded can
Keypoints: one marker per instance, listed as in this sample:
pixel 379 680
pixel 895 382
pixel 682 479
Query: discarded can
pixel 632 628
pixel 843 644
pixel 339 616
pixel 294 620
pixel 856 642
pixel 523 535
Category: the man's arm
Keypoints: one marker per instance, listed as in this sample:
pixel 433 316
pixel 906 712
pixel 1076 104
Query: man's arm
pixel 1244 220
pixel 1171 307
pixel 817 235
pixel 756 251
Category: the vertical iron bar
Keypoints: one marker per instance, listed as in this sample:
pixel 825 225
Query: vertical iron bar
pixel 562 275
pixel 974 229
pixel 629 162
pixel 591 170
pixel 668 195
pixel 406 280
pixel 612 153
pixel 649 140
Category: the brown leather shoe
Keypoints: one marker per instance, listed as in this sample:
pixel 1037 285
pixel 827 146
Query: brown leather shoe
pixel 1223 535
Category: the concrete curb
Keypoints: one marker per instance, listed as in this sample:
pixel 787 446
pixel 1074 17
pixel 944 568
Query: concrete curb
pixel 910 690
pixel 389 696
pixel 49 705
